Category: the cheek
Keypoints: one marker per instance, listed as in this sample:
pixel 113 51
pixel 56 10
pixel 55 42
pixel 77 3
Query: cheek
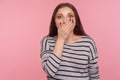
pixel 74 21
pixel 57 22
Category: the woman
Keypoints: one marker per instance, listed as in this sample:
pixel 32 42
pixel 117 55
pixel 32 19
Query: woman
pixel 68 53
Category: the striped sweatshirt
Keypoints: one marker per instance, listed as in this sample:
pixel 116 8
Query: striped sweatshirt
pixel 78 62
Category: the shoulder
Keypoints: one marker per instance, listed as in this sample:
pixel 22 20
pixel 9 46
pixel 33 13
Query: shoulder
pixel 47 38
pixel 91 44
pixel 89 40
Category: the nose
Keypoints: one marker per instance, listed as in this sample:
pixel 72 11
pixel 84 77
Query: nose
pixel 65 20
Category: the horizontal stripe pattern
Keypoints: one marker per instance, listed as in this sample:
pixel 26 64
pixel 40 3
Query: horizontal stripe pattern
pixel 78 62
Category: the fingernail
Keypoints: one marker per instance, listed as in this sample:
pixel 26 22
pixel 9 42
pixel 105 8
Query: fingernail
pixel 60 23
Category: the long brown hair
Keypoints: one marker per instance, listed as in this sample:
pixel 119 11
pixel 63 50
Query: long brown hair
pixel 78 30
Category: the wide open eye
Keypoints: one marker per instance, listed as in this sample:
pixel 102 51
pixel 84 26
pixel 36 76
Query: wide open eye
pixel 71 16
pixel 59 17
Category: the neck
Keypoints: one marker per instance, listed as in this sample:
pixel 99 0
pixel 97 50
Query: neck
pixel 70 37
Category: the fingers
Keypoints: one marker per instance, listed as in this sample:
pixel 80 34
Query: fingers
pixel 68 26
pixel 65 28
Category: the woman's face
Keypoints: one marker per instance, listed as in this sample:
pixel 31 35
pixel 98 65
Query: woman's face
pixel 64 15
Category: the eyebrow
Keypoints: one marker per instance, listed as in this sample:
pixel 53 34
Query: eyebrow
pixel 70 13
pixel 61 13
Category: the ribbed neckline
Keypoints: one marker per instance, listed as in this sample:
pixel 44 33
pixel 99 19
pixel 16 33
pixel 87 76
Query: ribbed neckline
pixel 75 41
pixel 72 42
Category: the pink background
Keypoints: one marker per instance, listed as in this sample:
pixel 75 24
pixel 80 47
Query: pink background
pixel 23 23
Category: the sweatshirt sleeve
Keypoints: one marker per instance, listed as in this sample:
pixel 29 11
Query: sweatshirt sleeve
pixel 93 62
pixel 50 62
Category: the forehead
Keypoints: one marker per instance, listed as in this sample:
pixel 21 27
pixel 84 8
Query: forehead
pixel 65 10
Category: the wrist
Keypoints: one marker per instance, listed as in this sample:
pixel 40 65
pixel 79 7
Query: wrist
pixel 60 40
